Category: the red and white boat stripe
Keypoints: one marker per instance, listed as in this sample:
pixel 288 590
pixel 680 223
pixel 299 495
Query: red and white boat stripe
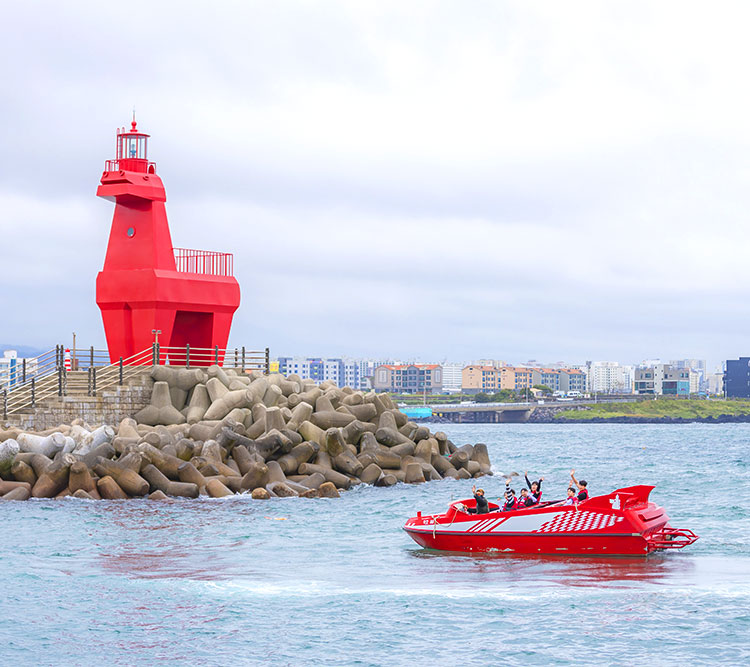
pixel 486 525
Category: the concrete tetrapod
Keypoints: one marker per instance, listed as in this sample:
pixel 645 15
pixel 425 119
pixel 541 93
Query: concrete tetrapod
pixel 280 436
pixel 161 410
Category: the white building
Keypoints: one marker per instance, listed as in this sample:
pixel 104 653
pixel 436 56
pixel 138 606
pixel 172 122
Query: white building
pixel 12 369
pixel 609 377
pixel 715 384
pixel 696 366
pixel 452 377
pixel 494 363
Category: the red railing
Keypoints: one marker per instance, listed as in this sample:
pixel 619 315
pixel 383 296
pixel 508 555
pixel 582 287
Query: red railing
pixel 205 262
pixel 130 164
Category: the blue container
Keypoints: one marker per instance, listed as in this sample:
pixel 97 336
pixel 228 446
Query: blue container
pixel 421 412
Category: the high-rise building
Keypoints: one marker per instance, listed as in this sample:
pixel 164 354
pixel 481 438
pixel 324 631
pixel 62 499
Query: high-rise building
pixel 737 378
pixel 609 377
pixel 715 383
pixel 452 377
pixel 696 365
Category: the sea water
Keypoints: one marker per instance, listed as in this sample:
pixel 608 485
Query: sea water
pixel 337 582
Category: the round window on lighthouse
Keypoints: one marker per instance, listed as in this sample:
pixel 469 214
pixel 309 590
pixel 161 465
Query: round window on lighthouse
pixel 131 232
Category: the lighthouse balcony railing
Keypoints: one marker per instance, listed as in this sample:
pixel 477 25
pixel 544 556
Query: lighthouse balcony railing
pixel 205 262
pixel 130 164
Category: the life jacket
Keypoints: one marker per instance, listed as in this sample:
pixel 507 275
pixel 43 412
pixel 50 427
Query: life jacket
pixel 510 505
pixel 528 501
pixel 536 496
pixel 570 501
pixel 585 492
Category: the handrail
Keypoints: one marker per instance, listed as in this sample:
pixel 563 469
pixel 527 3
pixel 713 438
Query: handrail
pixel 51 377
pixel 114 165
pixel 205 262
pixel 26 368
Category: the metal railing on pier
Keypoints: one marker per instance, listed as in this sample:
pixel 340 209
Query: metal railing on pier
pixel 64 371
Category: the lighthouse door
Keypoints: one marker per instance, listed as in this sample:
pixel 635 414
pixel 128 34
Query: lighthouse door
pixel 194 329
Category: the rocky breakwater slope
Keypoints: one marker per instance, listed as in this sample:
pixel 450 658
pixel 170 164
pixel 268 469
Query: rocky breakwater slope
pixel 217 433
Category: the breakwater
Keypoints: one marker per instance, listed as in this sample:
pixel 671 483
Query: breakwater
pixel 216 432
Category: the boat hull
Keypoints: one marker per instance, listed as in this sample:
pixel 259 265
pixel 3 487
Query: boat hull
pixel 623 523
pixel 510 543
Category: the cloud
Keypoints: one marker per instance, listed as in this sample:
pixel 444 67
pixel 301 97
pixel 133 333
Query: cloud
pixel 547 180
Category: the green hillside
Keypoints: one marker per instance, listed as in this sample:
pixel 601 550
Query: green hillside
pixel 677 408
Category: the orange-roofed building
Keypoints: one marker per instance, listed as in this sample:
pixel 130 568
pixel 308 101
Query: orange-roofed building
pixel 408 378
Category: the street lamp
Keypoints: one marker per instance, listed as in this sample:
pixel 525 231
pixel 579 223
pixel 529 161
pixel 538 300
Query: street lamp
pixel 156 355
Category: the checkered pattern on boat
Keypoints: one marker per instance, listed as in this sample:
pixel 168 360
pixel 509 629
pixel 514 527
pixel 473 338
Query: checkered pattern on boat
pixel 577 522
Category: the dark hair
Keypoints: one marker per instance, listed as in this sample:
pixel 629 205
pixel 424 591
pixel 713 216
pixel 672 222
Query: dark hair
pixel 480 491
pixel 535 484
pixel 570 488
pixel 583 482
pixel 524 490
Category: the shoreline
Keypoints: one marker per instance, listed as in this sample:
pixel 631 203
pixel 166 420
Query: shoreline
pixel 721 419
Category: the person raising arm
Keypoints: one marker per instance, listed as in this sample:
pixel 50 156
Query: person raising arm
pixel 483 507
pixel 534 487
pixel 583 492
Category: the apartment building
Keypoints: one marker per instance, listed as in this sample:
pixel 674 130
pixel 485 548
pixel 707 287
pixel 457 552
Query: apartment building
pixel 572 379
pixel 664 380
pixel 737 378
pixel 452 377
pixel 609 377
pixel 408 378
pixel 549 377
pixel 491 379
pixel 480 378
pixel 343 373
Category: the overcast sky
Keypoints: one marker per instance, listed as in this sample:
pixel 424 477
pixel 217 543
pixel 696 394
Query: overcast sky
pixel 430 180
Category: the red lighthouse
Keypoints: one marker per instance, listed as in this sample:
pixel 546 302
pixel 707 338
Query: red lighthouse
pixel 146 284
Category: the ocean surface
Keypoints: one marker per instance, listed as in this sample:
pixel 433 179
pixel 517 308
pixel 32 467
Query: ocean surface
pixel 337 582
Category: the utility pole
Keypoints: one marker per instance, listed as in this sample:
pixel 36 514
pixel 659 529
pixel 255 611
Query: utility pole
pixel 73 361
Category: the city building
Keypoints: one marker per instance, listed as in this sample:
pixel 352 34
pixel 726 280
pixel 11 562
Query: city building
pixel 452 378
pixel 737 378
pixel 480 378
pixel 13 367
pixel 343 373
pixel 408 378
pixel 572 379
pixel 663 380
pixel 698 366
pixel 547 377
pixel 494 363
pixel 715 384
pixel 491 379
pixel 609 377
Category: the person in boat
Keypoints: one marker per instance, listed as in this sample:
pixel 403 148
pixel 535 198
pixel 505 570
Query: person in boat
pixel 583 492
pixel 571 499
pixel 511 502
pixel 526 500
pixel 483 507
pixel 534 487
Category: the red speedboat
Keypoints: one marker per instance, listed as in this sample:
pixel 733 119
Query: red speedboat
pixel 623 523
